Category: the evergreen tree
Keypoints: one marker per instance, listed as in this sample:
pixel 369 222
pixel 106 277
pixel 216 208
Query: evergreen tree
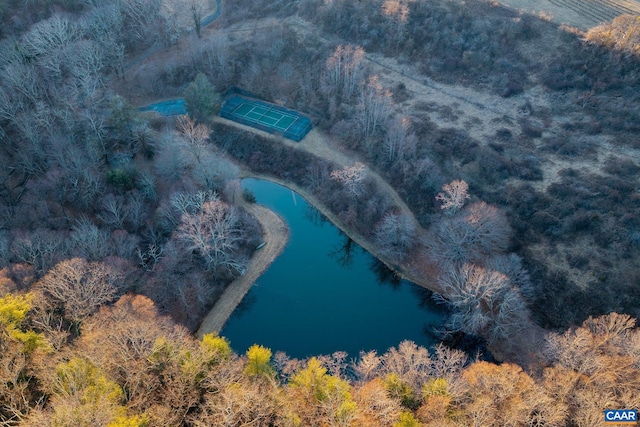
pixel 201 99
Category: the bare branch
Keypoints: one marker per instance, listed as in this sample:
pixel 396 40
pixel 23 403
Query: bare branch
pixel 352 177
pixel 214 234
pixel 453 196
pixel 374 107
pixel 81 286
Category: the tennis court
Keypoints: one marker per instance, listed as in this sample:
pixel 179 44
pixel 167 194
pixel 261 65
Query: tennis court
pixel 267 117
pixel 172 107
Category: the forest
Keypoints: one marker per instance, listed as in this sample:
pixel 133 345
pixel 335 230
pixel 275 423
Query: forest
pixel 494 160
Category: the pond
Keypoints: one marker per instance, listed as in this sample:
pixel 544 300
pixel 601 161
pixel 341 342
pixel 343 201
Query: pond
pixel 324 293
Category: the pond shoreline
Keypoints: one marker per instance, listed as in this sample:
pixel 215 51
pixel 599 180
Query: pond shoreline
pixel 324 292
pixel 401 270
pixel 275 235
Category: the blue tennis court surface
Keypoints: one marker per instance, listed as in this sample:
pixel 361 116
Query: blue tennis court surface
pixel 173 107
pixel 265 116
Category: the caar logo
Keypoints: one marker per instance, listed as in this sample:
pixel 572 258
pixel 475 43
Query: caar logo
pixel 620 416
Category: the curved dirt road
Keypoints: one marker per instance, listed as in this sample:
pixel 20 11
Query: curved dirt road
pixel 276 235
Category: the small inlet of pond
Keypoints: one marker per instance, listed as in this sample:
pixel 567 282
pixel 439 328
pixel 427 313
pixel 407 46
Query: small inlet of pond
pixel 324 293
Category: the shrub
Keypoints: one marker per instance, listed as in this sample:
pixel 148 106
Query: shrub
pixel 529 129
pixel 621 167
pixel 248 196
pixel 122 179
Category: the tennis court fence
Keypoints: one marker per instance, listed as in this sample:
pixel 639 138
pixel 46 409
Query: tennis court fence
pixel 265 116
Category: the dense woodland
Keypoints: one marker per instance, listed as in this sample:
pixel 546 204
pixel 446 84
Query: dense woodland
pixel 119 229
pixel 131 367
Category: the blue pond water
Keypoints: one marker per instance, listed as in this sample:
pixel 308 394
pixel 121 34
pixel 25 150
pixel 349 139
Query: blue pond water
pixel 325 293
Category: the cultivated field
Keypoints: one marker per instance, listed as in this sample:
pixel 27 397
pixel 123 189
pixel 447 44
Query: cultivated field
pixel 581 14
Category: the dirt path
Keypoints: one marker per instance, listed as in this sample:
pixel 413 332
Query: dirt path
pixel 319 144
pixel 480 113
pixel 276 235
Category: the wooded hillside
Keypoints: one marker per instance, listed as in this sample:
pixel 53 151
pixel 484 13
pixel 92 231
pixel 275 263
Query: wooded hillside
pixel 491 153
pixel 131 367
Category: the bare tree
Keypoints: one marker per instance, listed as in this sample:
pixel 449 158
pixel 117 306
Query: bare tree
pixel 141 20
pixel 21 80
pixel 136 212
pixel 367 366
pixel 119 339
pixel 478 232
pixel 316 176
pixel 198 9
pixel 172 159
pixel 352 177
pixel 594 364
pixel 399 142
pixel 49 35
pixel 335 363
pixel 485 304
pixel 10 105
pixel 196 135
pixel 476 294
pixel 246 403
pixel 213 233
pixel 217 56
pixel 190 203
pixel 124 244
pixel 89 241
pixel 453 196
pixel 182 15
pixel 81 286
pixel 8 51
pixel 97 131
pixel 582 349
pixel 83 187
pixel 15 389
pixel 150 257
pixel 450 241
pixel 612 329
pixel 105 25
pixel 395 235
pixel 40 249
pixel 490 226
pixel 113 211
pixel 344 72
pixel 511 266
pixel 174 19
pixel 504 395
pixel 374 106
pixel 85 61
pixel 209 169
pixel 147 185
pixel 408 361
pixel 511 317
pixel 398 10
pixel 375 406
pixel 447 363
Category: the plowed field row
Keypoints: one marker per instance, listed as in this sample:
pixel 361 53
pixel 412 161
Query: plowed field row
pixel 597 10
